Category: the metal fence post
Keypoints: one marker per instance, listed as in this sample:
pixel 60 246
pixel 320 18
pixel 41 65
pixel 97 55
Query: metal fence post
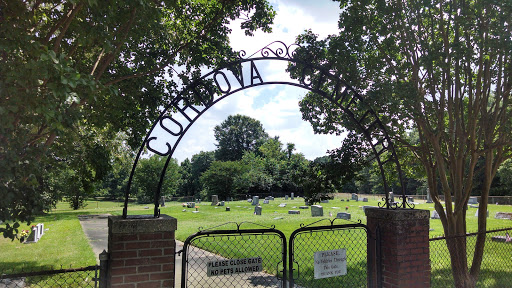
pixel 103 279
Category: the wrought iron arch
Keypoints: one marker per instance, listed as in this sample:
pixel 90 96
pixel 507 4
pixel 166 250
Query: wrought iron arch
pixel 244 74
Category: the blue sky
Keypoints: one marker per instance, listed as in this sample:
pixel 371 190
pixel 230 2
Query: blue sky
pixel 275 106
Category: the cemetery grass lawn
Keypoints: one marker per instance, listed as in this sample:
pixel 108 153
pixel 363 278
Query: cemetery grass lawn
pixel 65 243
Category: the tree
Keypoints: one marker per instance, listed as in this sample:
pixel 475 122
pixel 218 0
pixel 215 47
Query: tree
pixel 71 64
pixel 147 177
pixel 444 67
pixel 236 135
pixel 223 179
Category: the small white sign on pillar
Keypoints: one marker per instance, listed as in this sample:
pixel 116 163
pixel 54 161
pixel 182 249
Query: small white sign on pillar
pixel 330 263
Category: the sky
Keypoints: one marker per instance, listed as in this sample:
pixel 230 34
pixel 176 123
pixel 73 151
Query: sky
pixel 275 106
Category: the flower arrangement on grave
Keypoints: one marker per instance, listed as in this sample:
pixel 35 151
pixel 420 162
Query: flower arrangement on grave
pixel 197 207
pixel 23 234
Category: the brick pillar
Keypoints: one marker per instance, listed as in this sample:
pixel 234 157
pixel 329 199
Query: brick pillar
pixel 404 254
pixel 141 250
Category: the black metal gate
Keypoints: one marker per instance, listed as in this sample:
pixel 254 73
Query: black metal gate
pixel 330 256
pixel 259 259
pixel 319 256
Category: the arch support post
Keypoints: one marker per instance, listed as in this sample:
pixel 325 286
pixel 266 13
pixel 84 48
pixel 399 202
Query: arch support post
pixel 142 251
pixel 401 250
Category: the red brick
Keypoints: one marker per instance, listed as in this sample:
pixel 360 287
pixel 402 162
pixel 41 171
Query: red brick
pixel 136 278
pixel 168 235
pixel 123 254
pixel 116 263
pixel 162 244
pixel 129 285
pixel 150 252
pixel 117 280
pixel 160 276
pixel 150 268
pixel 151 236
pixel 154 284
pixel 137 245
pixel 169 283
pixel 124 270
pixel 169 251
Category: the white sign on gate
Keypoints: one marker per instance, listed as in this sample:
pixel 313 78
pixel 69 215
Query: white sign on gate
pixel 330 263
pixel 234 266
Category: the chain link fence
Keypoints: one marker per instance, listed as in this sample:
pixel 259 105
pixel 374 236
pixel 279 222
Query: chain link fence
pixel 65 278
pixel 338 243
pixel 496 269
pixel 250 258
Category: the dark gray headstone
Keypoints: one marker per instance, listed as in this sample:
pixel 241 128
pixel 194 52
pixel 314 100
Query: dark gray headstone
pixel 221 203
pixel 215 200
pixel 293 212
pixel 257 210
pixel 354 196
pixel 303 207
pixel 317 211
pixel 292 196
pixel 255 200
pixel 343 215
pixel 228 209
pixel 324 201
pixel 473 200
pixel 365 199
pixel 266 201
pixel 285 197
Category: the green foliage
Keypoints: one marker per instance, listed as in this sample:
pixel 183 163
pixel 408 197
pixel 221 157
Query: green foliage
pixel 89 64
pixel 236 135
pixel 222 179
pixel 147 178
pixel 440 66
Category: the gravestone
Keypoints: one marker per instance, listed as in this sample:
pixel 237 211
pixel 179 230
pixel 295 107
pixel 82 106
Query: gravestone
pixel 410 199
pixel 317 210
pixel 266 201
pixel 221 203
pixel 391 197
pixel 303 207
pixel 435 215
pixel 292 195
pixel 257 210
pixel 365 199
pixel 285 197
pixel 476 214
pixel 249 200
pixel 271 198
pixel 503 215
pixel 282 205
pixel 429 197
pixel 354 196
pixel 343 215
pixel 473 206
pixel 324 201
pixel 215 200
pixel 255 200
pixel 191 204
pixel 228 209
pixel 473 200
pixel 293 212
pixel 162 201
pixel 267 198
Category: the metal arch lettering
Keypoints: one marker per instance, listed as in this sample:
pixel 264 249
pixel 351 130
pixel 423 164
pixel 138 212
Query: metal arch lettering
pixel 231 78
